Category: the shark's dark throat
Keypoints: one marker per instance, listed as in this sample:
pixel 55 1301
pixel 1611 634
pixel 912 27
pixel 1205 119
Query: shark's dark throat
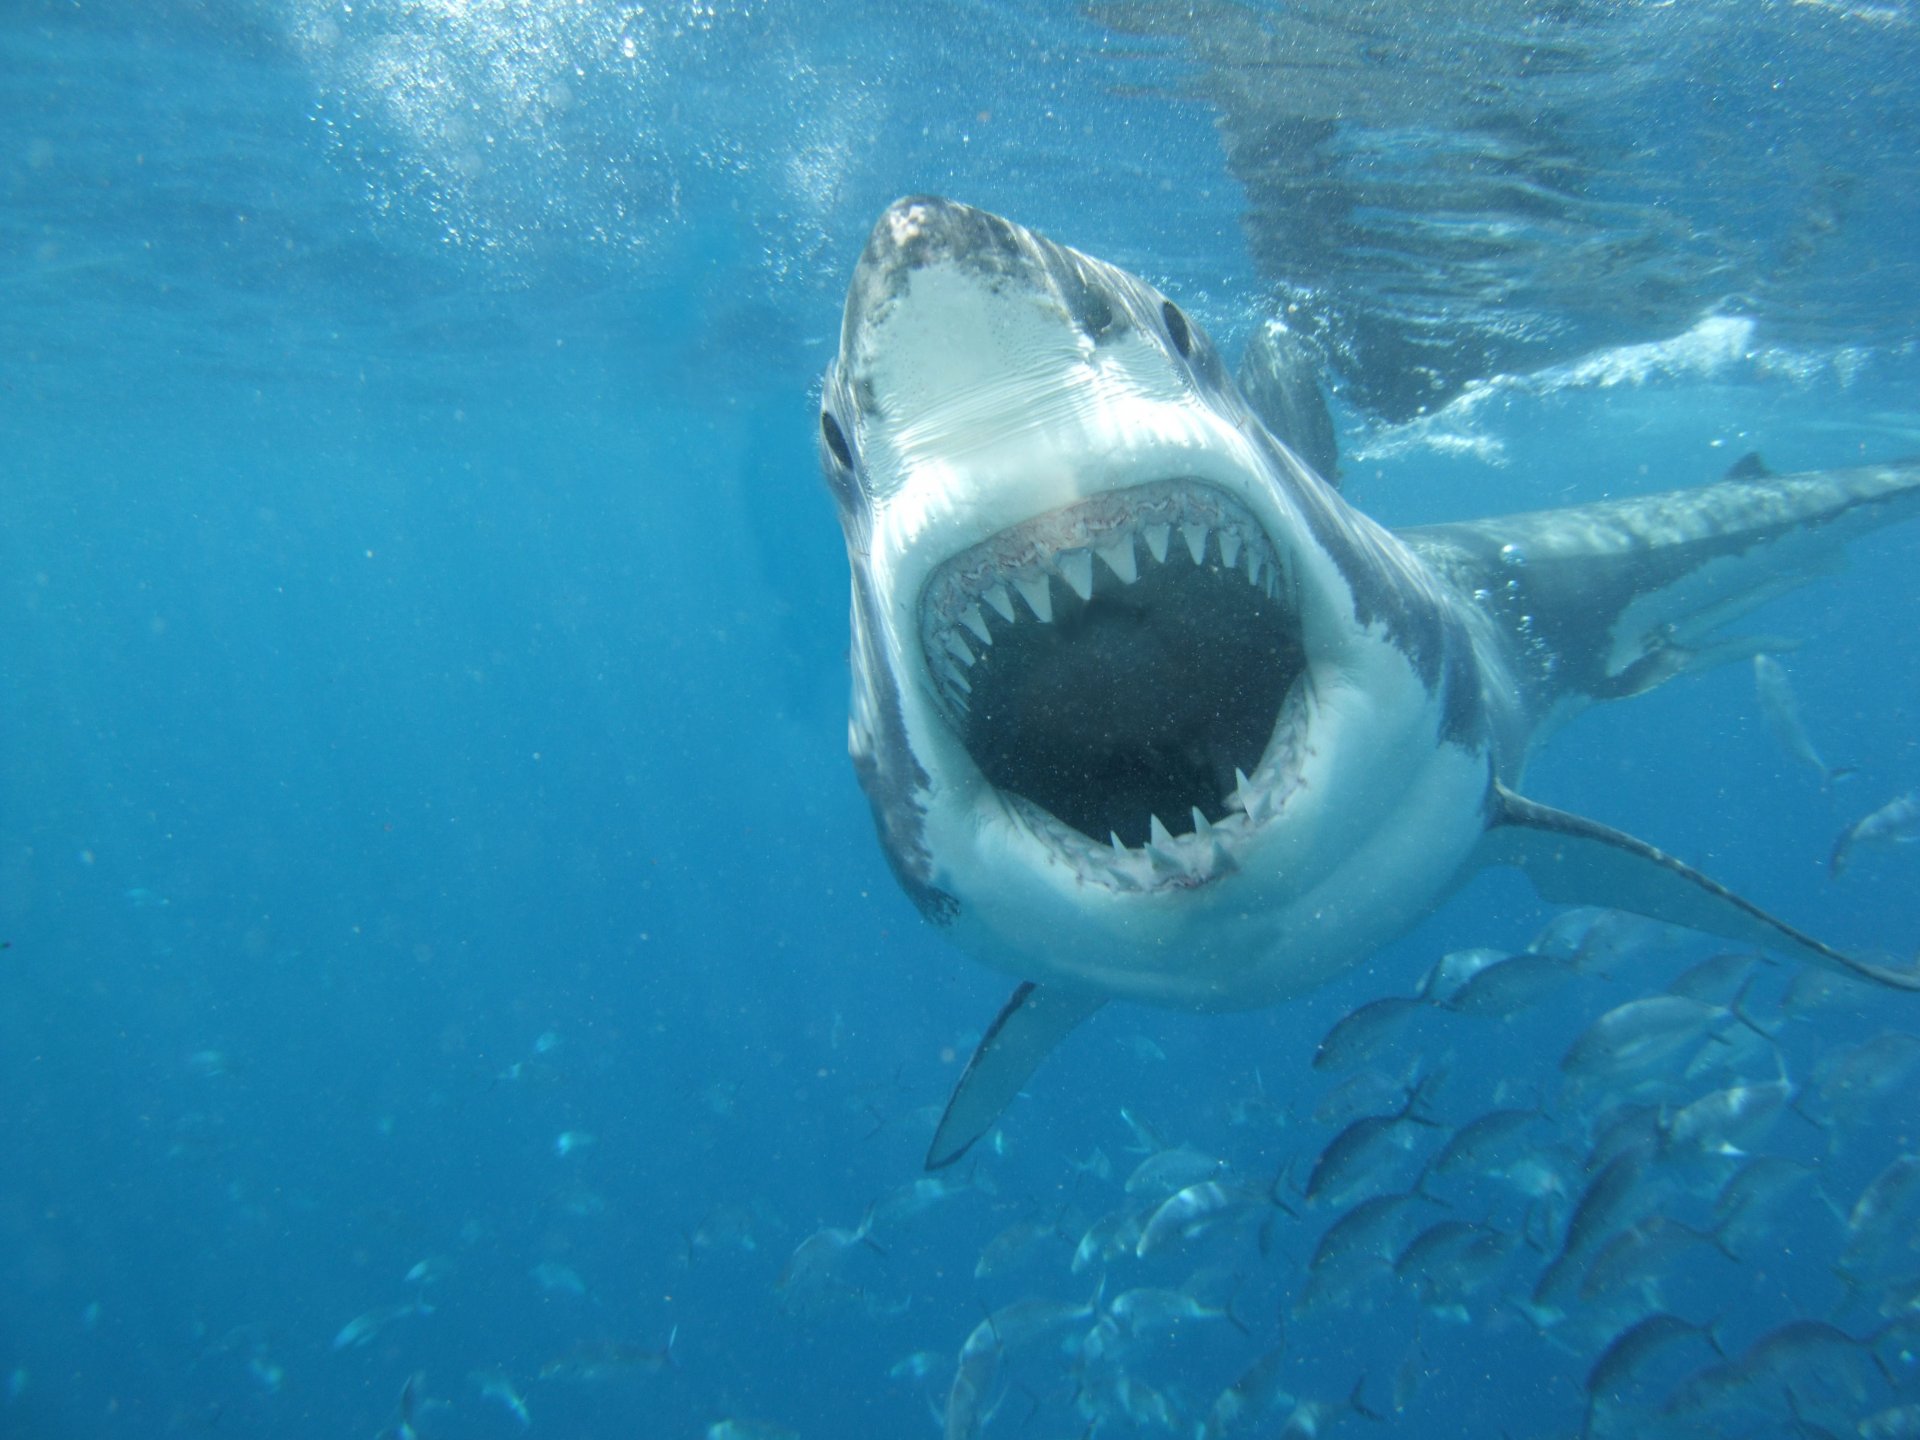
pixel 1134 681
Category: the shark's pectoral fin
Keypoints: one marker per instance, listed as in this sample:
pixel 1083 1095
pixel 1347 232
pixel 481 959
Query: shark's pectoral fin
pixel 1034 1020
pixel 1572 860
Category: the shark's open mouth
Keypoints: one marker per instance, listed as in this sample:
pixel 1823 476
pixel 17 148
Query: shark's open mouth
pixel 1130 665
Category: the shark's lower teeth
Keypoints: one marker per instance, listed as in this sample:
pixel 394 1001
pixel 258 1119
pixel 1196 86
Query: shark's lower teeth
pixel 1140 673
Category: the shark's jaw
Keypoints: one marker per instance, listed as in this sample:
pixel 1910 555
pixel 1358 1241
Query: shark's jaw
pixel 1113 706
pixel 1128 673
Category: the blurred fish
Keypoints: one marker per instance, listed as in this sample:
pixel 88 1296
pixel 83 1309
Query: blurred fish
pixel 1363 1033
pixel 1015 1327
pixel 1883 1227
pixel 1247 1402
pixel 1847 1083
pixel 1506 987
pixel 428 1271
pixel 1730 1121
pixel 749 1430
pixel 1895 823
pixel 1633 1349
pixel 1812 991
pixel 1014 1246
pixel 1615 1197
pixel 1591 939
pixel 558 1279
pixel 1813 1360
pixel 812 1277
pixel 1636 1040
pixel 917 1366
pixel 1096 1165
pixel 916 1197
pixel 1744 1208
pixel 601 1360
pixel 1452 1262
pixel 571 1142
pixel 1454 970
pixel 1147 1139
pixel 1717 979
pixel 363 1329
pixel 729 1226
pixel 1895 1422
pixel 207 1064
pixel 1487 1145
pixel 1187 1214
pixel 1367 1153
pixel 1115 1233
pixel 975 1370
pixel 1637 1262
pixel 1782 711
pixel 1372 1231
pixel 1359 1094
pixel 407 1404
pixel 1142 1048
pixel 1141 1406
pixel 1151 1308
pixel 1163 1173
pixel 495 1386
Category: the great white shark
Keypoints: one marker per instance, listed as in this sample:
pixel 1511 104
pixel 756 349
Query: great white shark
pixel 1146 710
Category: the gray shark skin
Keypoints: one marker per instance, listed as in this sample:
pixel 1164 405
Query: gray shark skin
pixel 1145 710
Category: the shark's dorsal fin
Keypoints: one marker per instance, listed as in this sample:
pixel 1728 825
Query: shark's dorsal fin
pixel 1572 860
pixel 1034 1020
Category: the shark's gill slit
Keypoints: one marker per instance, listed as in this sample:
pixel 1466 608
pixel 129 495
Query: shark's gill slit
pixel 1142 670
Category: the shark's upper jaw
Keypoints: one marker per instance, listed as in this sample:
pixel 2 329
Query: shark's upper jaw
pixel 1128 673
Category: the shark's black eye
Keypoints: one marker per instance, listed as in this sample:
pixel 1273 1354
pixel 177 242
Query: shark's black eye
pixel 1177 330
pixel 836 439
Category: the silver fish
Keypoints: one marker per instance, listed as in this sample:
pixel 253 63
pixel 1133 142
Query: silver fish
pixel 1363 1033
pixel 1895 823
pixel 1782 711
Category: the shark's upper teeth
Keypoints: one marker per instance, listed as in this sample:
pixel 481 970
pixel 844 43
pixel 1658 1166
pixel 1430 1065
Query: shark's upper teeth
pixel 1076 568
pixel 1038 597
pixel 1025 559
pixel 1196 538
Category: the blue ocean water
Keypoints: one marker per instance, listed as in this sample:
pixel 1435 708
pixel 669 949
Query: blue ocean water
pixel 427 846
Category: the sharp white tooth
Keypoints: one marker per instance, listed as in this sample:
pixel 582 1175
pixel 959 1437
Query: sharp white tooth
pixel 1039 599
pixel 998 598
pixel 1219 862
pixel 1113 839
pixel 1156 537
pixel 1253 566
pixel 1119 559
pixel 1196 538
pixel 1158 836
pixel 958 681
pixel 1202 826
pixel 959 648
pixel 1229 548
pixel 977 623
pixel 1242 790
pixel 1076 568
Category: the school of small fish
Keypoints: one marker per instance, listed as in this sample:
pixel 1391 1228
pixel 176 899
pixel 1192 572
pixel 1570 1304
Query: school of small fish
pixel 1620 1177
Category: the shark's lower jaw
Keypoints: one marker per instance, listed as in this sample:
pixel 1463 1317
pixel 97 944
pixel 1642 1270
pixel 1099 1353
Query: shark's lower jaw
pixel 1129 674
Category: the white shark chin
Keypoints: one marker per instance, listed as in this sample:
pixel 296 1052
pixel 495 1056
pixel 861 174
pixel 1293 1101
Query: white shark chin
pixel 1145 710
